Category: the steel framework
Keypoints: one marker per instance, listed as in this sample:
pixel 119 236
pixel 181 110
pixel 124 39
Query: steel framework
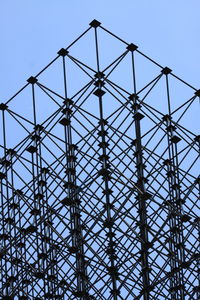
pixel 99 178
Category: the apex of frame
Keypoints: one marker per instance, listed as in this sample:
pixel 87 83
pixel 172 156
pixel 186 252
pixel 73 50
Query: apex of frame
pixel 197 93
pixel 62 52
pixel 166 71
pixel 32 80
pixel 95 23
pixel 132 47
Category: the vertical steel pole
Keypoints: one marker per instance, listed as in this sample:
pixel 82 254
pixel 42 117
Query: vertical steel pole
pixel 105 173
pixel 72 200
pixel 142 197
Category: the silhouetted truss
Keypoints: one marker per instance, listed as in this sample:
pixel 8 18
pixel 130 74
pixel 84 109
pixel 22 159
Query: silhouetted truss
pixel 99 178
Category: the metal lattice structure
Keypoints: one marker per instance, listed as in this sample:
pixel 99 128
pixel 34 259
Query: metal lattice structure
pixel 99 178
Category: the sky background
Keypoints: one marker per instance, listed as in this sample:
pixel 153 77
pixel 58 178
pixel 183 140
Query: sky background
pixel 32 31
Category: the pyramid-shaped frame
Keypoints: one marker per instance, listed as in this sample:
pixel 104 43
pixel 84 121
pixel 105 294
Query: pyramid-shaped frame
pixel 100 179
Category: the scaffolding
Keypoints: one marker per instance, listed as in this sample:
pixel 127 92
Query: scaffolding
pixel 99 178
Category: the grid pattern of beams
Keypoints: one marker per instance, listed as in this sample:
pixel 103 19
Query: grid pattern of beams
pixel 99 178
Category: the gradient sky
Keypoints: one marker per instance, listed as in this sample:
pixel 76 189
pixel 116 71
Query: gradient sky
pixel 32 31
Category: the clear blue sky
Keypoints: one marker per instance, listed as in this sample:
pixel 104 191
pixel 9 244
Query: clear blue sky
pixel 32 31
